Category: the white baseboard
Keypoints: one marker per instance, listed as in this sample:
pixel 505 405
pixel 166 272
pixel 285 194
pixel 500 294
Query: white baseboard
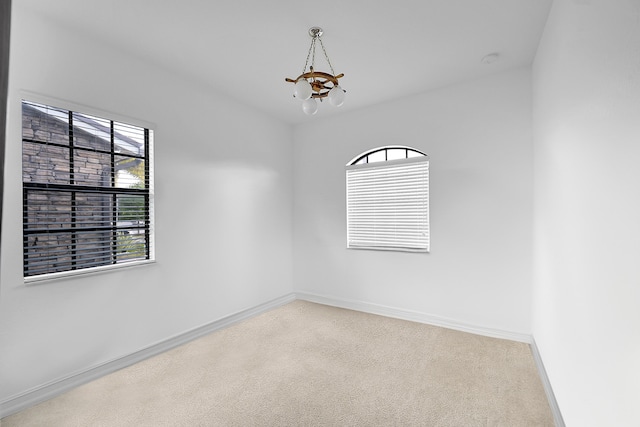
pixel 54 388
pixel 445 323
pixel 553 403
pixel 414 316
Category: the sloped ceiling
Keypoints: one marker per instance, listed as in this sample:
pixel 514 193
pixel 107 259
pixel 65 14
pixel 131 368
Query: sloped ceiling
pixel 246 48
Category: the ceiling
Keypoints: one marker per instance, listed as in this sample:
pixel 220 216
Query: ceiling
pixel 246 48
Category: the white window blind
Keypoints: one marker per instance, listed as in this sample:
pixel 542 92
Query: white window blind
pixel 388 205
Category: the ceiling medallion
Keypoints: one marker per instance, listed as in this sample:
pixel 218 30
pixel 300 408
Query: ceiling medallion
pixel 312 85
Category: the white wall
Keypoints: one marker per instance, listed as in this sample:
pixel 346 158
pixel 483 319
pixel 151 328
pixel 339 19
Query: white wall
pixel 478 137
pixel 586 320
pixel 223 212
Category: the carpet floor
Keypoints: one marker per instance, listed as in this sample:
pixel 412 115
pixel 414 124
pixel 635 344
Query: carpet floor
pixel 305 364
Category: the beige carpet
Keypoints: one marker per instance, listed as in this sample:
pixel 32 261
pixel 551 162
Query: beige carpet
pixel 306 364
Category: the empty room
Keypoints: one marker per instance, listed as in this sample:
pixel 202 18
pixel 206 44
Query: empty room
pixel 223 213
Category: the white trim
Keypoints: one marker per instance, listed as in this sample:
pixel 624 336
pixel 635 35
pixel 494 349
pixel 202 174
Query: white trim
pixel 413 316
pixel 26 95
pixel 384 147
pixel 52 277
pixel 46 102
pixel 430 319
pixel 56 387
pixel 551 397
pixel 388 163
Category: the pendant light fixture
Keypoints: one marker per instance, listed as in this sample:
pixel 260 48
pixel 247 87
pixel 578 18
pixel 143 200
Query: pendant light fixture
pixel 312 85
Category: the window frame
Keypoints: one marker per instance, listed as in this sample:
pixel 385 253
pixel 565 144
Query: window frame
pixel 357 160
pixel 147 193
pixel 417 166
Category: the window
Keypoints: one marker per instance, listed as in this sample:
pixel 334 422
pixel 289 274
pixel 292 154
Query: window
pixel 87 192
pixel 388 200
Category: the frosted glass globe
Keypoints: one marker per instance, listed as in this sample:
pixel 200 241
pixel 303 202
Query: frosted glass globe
pixel 310 106
pixel 302 90
pixel 336 96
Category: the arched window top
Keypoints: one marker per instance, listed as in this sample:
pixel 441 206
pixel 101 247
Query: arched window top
pixel 383 154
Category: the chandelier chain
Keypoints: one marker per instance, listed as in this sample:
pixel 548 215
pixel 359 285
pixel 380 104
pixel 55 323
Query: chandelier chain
pixel 311 47
pixel 326 56
pixel 313 56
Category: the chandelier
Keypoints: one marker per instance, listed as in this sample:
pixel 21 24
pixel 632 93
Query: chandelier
pixel 312 85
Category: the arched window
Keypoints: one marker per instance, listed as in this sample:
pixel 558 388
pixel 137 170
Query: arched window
pixel 388 200
pixel 384 154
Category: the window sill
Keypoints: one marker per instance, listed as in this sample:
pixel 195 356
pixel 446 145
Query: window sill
pixel 54 277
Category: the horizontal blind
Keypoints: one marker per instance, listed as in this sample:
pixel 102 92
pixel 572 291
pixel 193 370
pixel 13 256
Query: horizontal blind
pixel 388 205
pixel 86 191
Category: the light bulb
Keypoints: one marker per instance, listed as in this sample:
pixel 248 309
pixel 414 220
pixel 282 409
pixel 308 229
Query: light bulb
pixel 310 106
pixel 336 96
pixel 302 90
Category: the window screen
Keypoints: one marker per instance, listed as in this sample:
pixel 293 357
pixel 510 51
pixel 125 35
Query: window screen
pixel 87 195
pixel 388 201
